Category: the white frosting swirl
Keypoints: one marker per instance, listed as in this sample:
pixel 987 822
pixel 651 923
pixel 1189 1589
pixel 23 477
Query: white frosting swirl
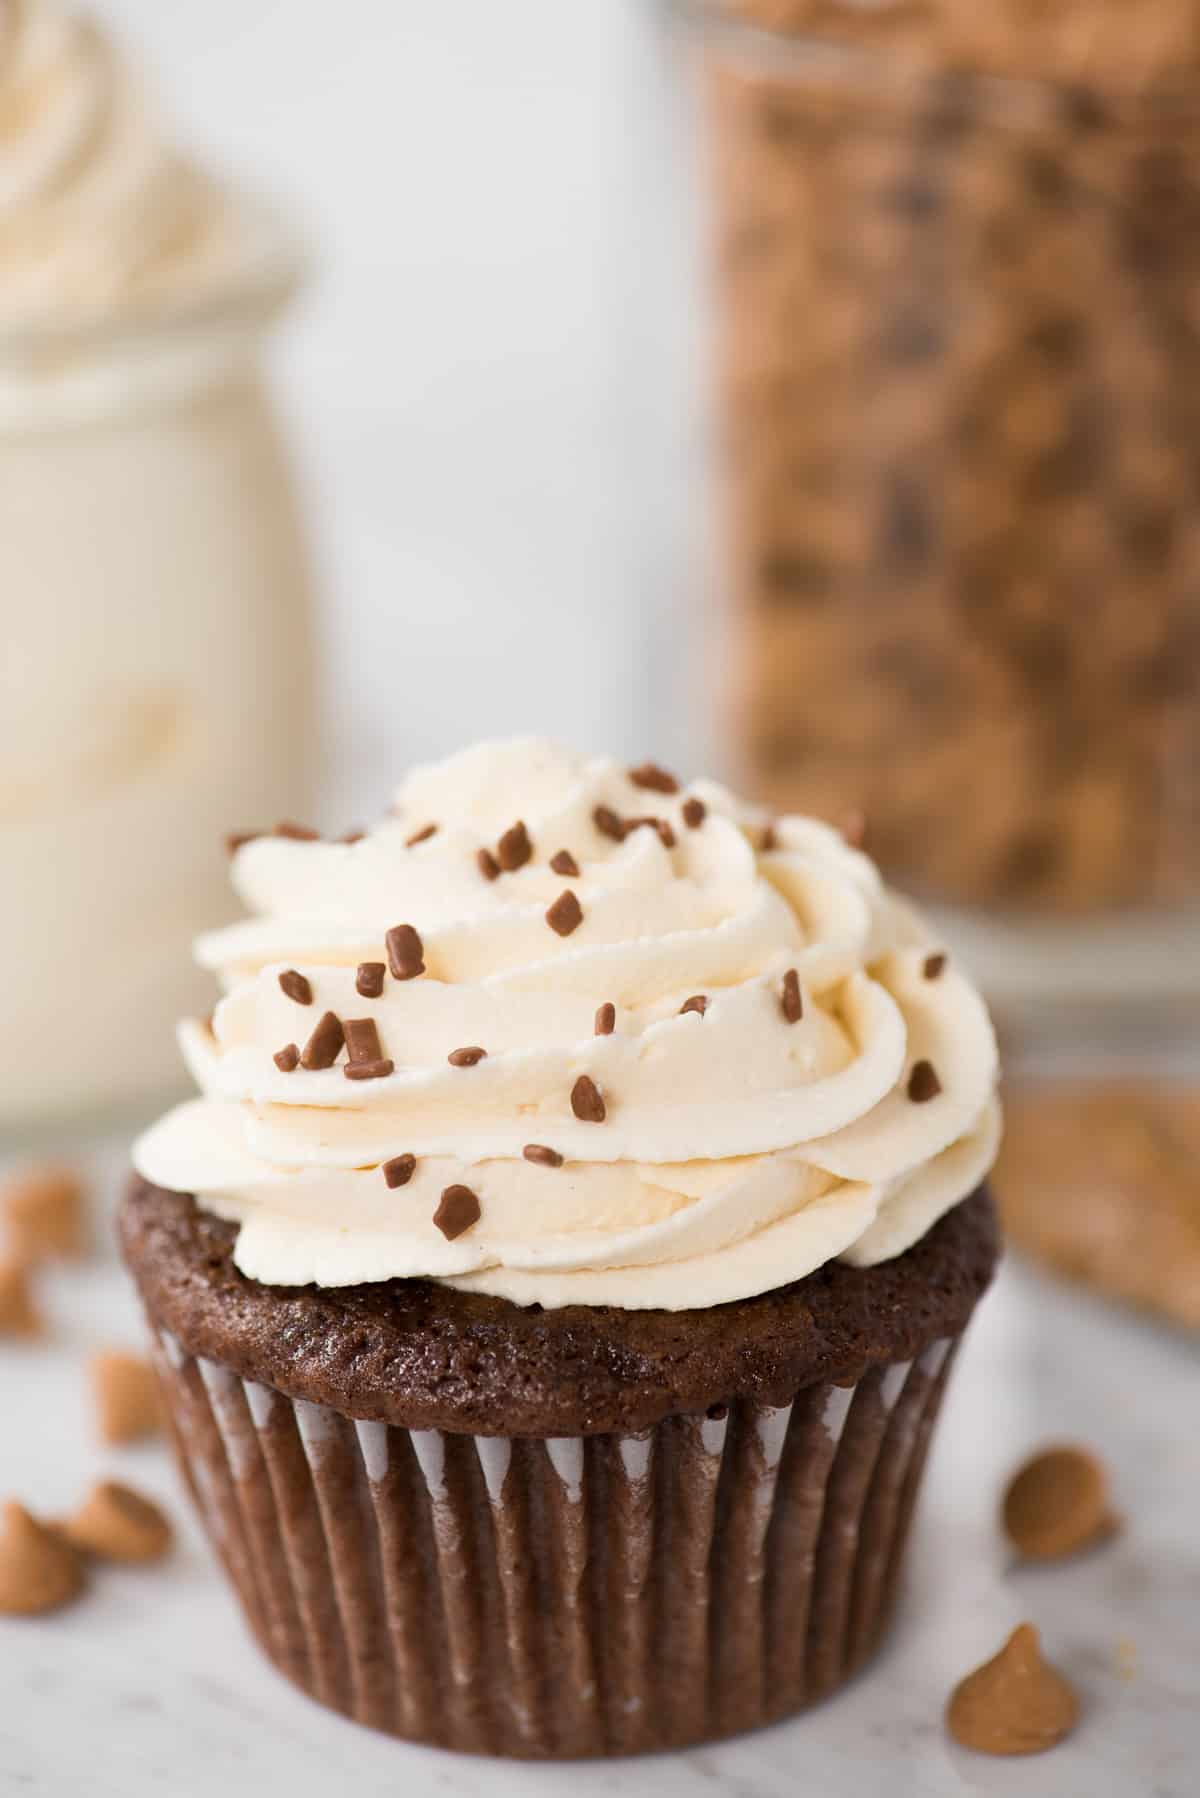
pixel 97 211
pixel 739 1150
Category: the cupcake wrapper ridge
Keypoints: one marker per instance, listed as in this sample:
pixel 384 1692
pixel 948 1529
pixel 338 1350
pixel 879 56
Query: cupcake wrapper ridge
pixel 567 1596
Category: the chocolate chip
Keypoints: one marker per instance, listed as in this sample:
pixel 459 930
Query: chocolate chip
pixel 298 833
pixel 587 1102
pixel 665 833
pixel 420 836
pixel 566 914
pixel 399 1170
pixel 514 848
pixel 287 1060
pixel 466 1058
pixel 369 1070
pixel 237 839
pixel 608 823
pixel 655 779
pixel 405 952
pixel 934 966
pixel 362 1039
pixel 791 999
pixel 487 864
pixel 369 979
pixel 694 812
pixel 563 862
pixel 541 1156
pixel 698 1002
pixel 923 1083
pixel 606 1019
pixel 296 986
pixel 458 1208
pixel 324 1045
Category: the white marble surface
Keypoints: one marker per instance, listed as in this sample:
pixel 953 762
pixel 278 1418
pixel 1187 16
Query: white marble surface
pixel 151 1685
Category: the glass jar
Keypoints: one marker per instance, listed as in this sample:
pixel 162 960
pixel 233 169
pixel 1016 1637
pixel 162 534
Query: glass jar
pixel 958 350
pixel 155 677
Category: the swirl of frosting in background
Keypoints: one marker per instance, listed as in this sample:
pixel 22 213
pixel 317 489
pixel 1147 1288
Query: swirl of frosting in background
pixel 830 1092
pixel 97 211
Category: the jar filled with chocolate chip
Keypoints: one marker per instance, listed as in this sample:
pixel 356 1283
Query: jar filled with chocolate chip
pixel 957 264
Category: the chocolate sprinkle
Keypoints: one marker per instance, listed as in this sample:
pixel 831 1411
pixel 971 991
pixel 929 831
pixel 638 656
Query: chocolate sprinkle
pixel 514 848
pixel 237 839
pixel 420 836
pixel 698 1003
pixel 369 979
pixel 665 833
pixel 608 823
pixel 405 952
pixel 791 998
pixel 287 1060
pixel 694 813
pixel 587 1102
pixel 566 914
pixel 466 1058
pixel 541 1156
pixel 298 833
pixel 606 1019
pixel 325 1044
pixel 362 1039
pixel 563 862
pixel 923 1083
pixel 935 966
pixel 369 1070
pixel 293 983
pixel 653 778
pixel 458 1208
pixel 487 864
pixel 399 1170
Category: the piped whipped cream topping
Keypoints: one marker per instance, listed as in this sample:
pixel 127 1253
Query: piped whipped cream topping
pixel 791 1070
pixel 97 211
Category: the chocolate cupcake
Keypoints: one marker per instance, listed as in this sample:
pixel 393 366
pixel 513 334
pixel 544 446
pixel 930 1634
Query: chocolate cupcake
pixel 555 1287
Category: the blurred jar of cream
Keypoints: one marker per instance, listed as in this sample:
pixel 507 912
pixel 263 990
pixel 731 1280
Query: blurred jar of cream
pixel 155 665
pixel 155 678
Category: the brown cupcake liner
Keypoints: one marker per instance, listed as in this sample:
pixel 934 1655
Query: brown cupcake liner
pixel 568 1596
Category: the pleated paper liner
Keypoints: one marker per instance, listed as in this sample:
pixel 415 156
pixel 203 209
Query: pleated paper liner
pixel 565 1597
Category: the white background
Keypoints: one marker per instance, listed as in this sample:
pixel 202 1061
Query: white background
pixel 488 381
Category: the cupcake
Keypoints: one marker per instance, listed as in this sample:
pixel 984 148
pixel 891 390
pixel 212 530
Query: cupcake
pixel 554 1289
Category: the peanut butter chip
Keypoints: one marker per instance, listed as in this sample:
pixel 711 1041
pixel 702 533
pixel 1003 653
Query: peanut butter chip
pixel 117 1524
pixel 1014 1704
pixel 43 1209
pixel 126 1393
pixel 18 1313
pixel 38 1570
pixel 1056 1504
